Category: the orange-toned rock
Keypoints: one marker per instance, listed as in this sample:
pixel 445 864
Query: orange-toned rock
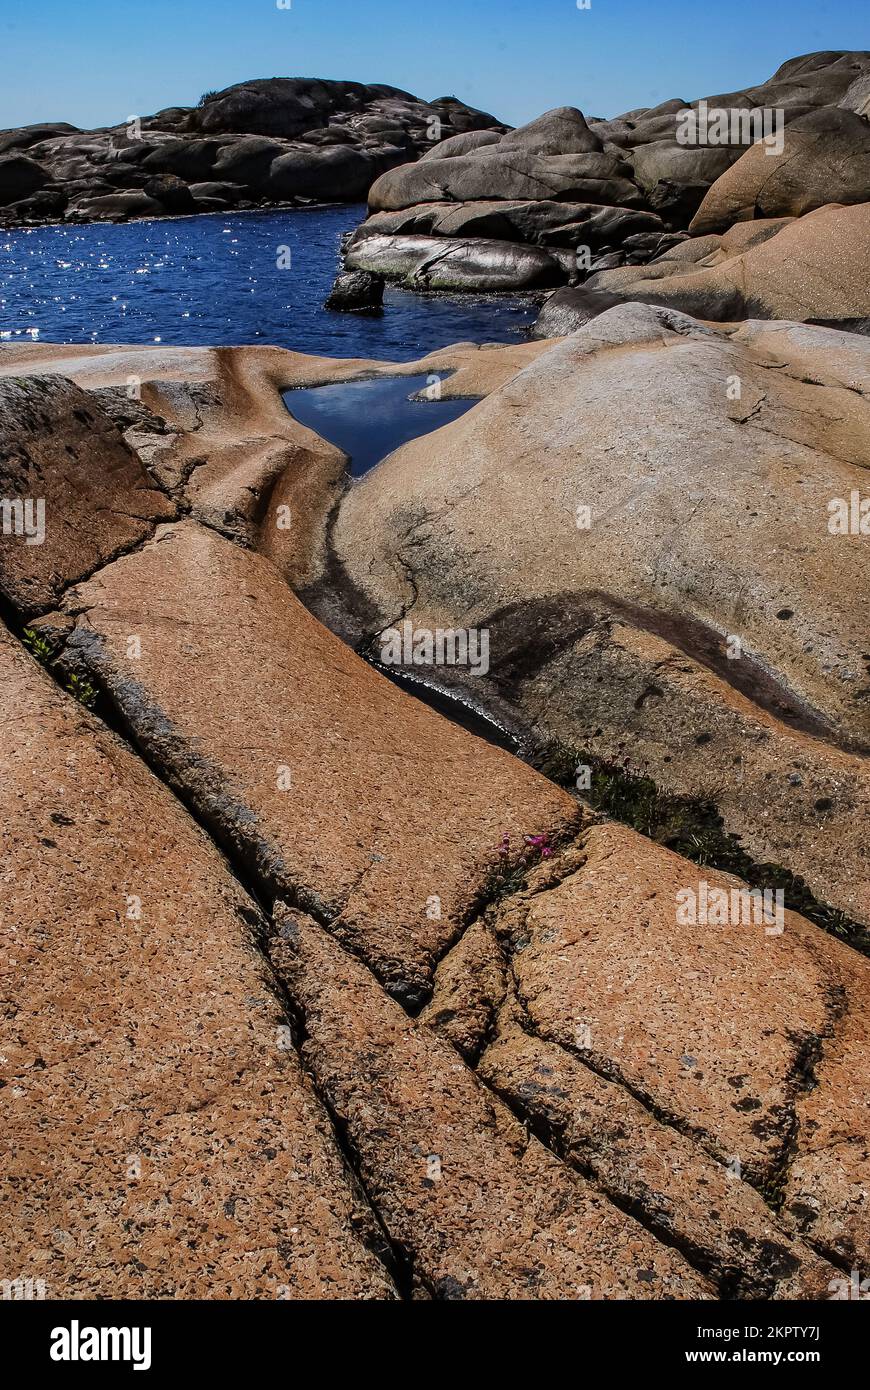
pixel 748 1035
pixel 479 1208
pixel 825 159
pixel 641 520
pixel 327 782
pixel 650 1168
pixel 160 1139
pixel 815 267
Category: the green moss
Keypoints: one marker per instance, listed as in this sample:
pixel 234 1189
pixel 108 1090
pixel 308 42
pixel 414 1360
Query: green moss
pixel 690 826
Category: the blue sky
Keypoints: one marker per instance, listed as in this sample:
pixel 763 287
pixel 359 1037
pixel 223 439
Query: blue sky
pixel 95 62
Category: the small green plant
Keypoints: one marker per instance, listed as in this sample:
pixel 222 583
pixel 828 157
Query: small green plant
pixel 81 690
pixel 46 653
pixel 42 649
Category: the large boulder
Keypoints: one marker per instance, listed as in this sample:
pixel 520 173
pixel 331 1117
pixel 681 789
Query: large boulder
pixel 600 963
pixel 542 222
pixel 561 131
pixel 442 263
pixel 465 143
pixel 647 160
pixel 570 308
pixel 338 173
pixel 115 207
pixel 662 161
pixel 20 177
pixel 814 268
pixel 188 159
pixel 247 159
pixel 825 159
pixel 484 174
pixel 357 292
pixel 678 443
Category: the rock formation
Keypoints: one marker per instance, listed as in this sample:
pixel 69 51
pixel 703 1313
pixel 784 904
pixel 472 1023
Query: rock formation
pixel 707 461
pixel 261 143
pixel 311 991
pixel 374 1010
pixel 566 199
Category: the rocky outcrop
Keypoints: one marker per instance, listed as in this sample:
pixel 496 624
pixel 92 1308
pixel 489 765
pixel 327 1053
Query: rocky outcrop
pixel 826 160
pixel 211 429
pixel 619 192
pixel 447 263
pixel 381 1011
pixel 161 1139
pixel 599 969
pixel 19 178
pixel 260 143
pixel 69 509
pixel 814 268
pixel 483 1210
pixel 356 292
pixel 613 539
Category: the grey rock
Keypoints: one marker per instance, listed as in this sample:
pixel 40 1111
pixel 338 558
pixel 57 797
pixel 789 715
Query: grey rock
pixel 356 292
pixel 570 308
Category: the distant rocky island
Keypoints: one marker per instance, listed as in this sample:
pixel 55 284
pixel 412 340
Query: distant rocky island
pixel 343 963
pixel 259 144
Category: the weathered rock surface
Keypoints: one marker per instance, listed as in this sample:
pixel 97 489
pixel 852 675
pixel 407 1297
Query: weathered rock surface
pixel 479 1209
pixel 649 1167
pixel 446 263
pixel 571 308
pixel 391 844
pixel 211 427
pixel 594 186
pixel 826 159
pixel 20 177
pixel 732 1042
pixel 356 292
pixel 263 141
pixel 543 222
pixel 160 1139
pixel 815 268
pixel 62 458
pixel 696 1092
pixel 708 518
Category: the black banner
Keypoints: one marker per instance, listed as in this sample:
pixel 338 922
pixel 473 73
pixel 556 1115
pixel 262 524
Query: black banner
pixel 82 1339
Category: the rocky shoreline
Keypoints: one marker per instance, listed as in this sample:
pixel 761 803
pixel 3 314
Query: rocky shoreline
pixel 354 1004
pixel 276 142
pixel 626 207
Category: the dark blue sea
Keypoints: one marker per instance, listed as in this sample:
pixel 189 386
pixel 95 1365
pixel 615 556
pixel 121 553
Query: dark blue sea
pixel 216 280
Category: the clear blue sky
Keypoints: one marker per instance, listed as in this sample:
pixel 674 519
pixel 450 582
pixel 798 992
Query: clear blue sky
pixel 94 62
